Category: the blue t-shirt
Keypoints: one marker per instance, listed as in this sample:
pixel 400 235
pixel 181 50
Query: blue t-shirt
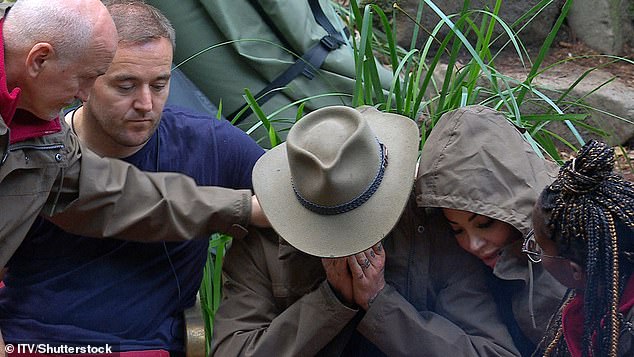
pixel 66 288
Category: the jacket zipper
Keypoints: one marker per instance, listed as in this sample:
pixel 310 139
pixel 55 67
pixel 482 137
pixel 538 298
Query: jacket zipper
pixel 29 146
pixel 36 147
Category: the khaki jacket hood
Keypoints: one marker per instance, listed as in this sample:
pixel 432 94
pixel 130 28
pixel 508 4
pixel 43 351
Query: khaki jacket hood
pixel 476 160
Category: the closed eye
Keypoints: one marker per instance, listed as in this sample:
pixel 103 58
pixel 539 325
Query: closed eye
pixel 456 231
pixel 486 224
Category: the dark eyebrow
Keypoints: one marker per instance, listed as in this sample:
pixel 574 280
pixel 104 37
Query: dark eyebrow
pixel 124 77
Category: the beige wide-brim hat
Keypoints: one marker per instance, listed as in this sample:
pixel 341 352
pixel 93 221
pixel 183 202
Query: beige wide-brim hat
pixel 330 163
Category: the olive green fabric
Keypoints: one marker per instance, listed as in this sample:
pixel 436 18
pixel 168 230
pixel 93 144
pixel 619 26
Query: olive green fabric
pixel 257 56
pixel 277 301
pixel 476 160
pixel 84 194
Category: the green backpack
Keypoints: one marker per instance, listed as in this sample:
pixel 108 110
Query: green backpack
pixel 283 51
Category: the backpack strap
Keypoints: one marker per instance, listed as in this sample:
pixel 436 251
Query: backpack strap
pixel 322 19
pixel 306 64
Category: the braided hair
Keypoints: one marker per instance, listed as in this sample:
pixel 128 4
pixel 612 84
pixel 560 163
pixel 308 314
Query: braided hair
pixel 585 208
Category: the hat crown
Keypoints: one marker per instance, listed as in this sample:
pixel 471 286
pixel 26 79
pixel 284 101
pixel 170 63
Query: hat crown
pixel 307 186
pixel 333 156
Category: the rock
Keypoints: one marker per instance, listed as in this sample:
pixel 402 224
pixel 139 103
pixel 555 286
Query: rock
pixel 534 33
pixel 612 100
pixel 599 24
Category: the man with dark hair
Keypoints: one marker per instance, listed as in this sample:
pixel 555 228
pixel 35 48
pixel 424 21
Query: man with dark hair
pixel 146 286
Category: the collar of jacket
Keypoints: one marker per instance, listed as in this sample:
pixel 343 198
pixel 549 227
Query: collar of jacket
pixel 23 124
pixel 511 265
pixel 573 314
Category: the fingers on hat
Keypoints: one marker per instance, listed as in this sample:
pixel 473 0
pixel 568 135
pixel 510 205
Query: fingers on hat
pixel 363 260
pixel 355 267
pixel 378 249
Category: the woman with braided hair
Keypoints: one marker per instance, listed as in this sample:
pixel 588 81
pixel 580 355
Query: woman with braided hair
pixel 584 236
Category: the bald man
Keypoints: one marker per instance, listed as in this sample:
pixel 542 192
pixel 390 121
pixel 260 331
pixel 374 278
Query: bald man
pixel 51 55
pixel 147 286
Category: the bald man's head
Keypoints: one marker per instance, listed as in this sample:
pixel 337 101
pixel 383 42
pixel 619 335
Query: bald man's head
pixel 54 51
pixel 66 24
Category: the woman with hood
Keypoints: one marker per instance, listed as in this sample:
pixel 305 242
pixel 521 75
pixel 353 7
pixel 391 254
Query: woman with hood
pixel 485 177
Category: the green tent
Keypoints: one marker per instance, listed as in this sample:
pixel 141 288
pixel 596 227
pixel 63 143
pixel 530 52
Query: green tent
pixel 225 46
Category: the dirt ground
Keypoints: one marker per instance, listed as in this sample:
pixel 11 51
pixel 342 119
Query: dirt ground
pixel 623 70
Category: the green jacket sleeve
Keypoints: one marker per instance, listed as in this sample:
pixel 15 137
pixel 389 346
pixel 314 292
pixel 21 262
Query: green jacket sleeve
pixel 440 305
pixel 254 320
pixel 398 329
pixel 103 197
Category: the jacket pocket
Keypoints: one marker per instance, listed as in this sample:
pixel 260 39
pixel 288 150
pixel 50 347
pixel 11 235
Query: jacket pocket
pixel 30 168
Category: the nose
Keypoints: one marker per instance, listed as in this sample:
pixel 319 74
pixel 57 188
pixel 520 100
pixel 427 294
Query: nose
pixel 143 101
pixel 82 94
pixel 84 88
pixel 476 243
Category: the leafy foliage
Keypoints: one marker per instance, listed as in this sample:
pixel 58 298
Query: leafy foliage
pixel 211 286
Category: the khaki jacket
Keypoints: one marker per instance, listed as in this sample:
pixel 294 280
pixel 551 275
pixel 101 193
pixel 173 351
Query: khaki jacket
pixel 476 160
pixel 88 195
pixel 435 303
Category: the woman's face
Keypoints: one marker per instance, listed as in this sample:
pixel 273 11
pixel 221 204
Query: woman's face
pixel 567 272
pixel 479 235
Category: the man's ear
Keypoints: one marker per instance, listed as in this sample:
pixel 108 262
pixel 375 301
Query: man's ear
pixel 38 58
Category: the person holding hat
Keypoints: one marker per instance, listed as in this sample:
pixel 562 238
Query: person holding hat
pixel 357 268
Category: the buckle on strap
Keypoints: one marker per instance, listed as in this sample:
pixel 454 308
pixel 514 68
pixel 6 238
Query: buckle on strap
pixel 331 42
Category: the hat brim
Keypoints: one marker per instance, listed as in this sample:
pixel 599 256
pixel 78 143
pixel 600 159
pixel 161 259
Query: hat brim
pixel 354 231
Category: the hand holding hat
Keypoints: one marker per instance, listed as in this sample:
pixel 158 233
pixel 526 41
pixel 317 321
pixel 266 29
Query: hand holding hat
pixel 339 183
